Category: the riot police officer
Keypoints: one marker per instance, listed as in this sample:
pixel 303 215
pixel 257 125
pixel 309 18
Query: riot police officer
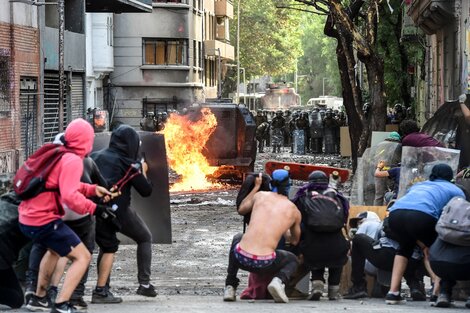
pixel 330 127
pixel 398 114
pixel 291 126
pixel 302 124
pixel 262 131
pixel 277 131
pixel 287 117
pixel 316 131
pixel 148 122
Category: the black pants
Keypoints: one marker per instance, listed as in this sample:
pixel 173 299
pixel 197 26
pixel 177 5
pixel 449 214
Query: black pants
pixel 283 267
pixel 334 275
pixel 366 248
pixel 133 227
pixel 450 273
pixel 85 230
pixel 410 226
pixel 11 293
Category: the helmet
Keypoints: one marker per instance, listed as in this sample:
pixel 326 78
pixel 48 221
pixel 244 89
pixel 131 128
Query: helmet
pixel 278 113
pixel 304 114
pixel 259 112
pixel 329 112
pixel 318 177
pixel 398 107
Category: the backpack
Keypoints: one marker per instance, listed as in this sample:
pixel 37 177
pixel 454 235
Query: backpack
pixel 30 179
pixel 453 225
pixel 321 212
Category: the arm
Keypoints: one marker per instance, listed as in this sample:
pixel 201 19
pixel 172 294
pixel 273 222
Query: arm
pixel 295 229
pixel 142 185
pixel 247 204
pixel 379 172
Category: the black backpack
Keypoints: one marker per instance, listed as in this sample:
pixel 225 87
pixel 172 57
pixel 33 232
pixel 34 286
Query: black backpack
pixel 321 212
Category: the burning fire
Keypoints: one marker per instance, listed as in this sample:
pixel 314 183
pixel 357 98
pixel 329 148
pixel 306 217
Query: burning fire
pixel 184 140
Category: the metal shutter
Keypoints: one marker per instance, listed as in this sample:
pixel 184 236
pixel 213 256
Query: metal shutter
pixel 29 115
pixel 51 106
pixel 76 96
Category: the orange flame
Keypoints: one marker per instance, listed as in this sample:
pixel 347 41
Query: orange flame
pixel 184 140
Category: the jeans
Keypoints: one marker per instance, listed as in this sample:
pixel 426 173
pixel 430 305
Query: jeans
pixel 283 266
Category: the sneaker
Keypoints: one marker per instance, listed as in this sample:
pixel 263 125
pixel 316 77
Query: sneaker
pixel 147 291
pixel 432 300
pixel 417 295
pixel 390 298
pixel 64 307
pixel 356 292
pixel 79 304
pixel 52 292
pixel 276 289
pixel 317 290
pixel 294 293
pixel 28 293
pixel 103 295
pixel 333 292
pixel 37 304
pixel 229 293
pixel 443 300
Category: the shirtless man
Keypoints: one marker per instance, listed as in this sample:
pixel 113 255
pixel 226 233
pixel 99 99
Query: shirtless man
pixel 272 216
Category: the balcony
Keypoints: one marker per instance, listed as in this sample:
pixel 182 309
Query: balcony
pixel 226 51
pixel 118 6
pixel 431 15
pixel 224 8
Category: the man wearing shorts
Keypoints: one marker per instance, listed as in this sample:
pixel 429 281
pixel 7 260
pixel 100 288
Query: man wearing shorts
pixel 272 216
pixel 40 218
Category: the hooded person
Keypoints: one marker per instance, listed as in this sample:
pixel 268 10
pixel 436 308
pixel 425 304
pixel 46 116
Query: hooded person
pixel 121 165
pixel 40 217
pixel 413 218
pixel 322 249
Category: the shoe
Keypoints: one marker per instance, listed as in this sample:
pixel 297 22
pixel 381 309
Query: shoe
pixel 356 292
pixel 432 300
pixel 333 292
pixel 64 307
pixel 317 290
pixel 417 295
pixel 230 293
pixel 103 295
pixel 52 293
pixel 79 304
pixel 37 304
pixel 467 303
pixel 390 298
pixel 28 293
pixel 147 291
pixel 443 300
pixel 276 289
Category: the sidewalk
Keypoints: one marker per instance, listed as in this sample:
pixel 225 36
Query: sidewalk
pixel 206 304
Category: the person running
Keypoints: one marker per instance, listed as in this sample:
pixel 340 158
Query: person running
pixel 272 216
pixel 40 218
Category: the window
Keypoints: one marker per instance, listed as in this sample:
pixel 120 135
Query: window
pixel 165 51
pixel 171 1
pixel 5 87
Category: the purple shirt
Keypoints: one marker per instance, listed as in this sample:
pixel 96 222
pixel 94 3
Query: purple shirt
pixel 420 140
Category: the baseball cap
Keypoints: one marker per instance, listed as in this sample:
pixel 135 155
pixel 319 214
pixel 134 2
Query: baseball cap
pixel 368 215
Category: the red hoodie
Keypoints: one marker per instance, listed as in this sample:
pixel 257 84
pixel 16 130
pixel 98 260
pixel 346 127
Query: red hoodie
pixel 65 176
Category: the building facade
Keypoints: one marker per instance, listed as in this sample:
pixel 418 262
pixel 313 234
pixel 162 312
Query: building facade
pixel 169 59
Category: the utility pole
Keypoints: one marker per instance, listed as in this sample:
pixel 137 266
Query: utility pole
pixel 61 10
pixel 238 51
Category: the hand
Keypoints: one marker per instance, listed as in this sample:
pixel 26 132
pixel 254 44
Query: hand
pixel 108 214
pixel 381 165
pixel 258 181
pixel 103 193
pixel 145 168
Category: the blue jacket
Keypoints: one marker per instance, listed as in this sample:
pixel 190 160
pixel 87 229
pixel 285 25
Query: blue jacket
pixel 428 197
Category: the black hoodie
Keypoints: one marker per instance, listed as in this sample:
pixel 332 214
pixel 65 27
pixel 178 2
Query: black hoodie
pixel 114 161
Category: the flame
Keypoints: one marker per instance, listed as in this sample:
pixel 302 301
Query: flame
pixel 184 140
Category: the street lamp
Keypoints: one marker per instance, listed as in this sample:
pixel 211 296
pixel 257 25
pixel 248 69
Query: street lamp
pixel 324 78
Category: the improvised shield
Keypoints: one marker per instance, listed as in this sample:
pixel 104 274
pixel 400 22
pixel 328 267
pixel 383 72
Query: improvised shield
pixel 154 210
pixel 299 141
pixel 417 163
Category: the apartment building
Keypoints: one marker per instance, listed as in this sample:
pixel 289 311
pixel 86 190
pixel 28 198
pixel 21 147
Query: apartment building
pixel 169 59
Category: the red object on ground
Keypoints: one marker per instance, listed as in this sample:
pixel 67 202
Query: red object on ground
pixel 301 171
pixel 257 287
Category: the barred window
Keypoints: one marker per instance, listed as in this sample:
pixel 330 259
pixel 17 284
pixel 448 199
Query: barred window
pixel 165 51
pixel 5 87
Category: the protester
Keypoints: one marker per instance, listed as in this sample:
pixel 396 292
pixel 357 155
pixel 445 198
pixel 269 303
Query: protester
pixel 392 173
pixel 372 244
pixel 413 218
pixel 322 246
pixel 272 216
pixel 40 217
pixel 412 137
pixel 123 169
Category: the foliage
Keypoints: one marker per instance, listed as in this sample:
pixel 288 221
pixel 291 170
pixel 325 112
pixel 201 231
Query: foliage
pixel 269 37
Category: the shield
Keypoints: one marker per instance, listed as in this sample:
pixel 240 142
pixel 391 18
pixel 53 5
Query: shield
pixel 154 210
pixel 299 141
pixel 417 163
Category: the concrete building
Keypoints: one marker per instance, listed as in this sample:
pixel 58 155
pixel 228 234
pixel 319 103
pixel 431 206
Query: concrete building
pixel 168 59
pixel 19 80
pixel 446 24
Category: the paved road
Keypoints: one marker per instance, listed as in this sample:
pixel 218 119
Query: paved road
pixel 205 304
